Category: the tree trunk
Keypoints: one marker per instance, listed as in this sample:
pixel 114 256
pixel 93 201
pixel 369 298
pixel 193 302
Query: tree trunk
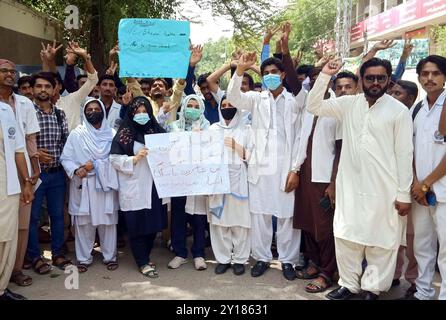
pixel 97 37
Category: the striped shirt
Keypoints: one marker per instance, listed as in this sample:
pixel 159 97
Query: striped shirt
pixel 52 136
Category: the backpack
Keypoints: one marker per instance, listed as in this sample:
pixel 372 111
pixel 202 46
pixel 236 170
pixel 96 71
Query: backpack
pixel 60 122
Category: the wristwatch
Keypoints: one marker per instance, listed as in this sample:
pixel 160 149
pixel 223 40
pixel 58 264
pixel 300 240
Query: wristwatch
pixel 424 188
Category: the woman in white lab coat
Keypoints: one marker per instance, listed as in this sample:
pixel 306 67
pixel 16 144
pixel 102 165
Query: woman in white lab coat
pixel 143 210
pixel 230 219
pixel 93 202
pixel 192 209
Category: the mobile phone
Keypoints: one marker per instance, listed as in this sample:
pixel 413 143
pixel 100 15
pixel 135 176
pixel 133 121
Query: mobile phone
pixel 325 203
pixel 431 198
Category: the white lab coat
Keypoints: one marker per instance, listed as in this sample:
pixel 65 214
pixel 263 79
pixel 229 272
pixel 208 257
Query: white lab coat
pixel 13 142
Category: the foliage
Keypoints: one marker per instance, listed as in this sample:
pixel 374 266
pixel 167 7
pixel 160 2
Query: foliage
pixel 439 35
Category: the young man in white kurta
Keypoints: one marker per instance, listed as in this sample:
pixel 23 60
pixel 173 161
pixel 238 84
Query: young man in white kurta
pixel 429 221
pixel 276 124
pixel 374 177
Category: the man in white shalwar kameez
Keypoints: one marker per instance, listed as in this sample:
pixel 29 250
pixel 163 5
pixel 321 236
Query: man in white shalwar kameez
pixel 373 181
pixel 229 218
pixel 272 172
pixel 93 202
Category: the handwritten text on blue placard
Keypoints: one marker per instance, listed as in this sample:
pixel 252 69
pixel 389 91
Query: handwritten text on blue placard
pixel 151 48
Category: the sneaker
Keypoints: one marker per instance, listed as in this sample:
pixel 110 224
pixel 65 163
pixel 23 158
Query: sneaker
pixel 176 262
pixel 200 264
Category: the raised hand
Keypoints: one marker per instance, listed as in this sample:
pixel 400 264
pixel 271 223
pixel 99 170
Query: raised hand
pixel 246 61
pixel 235 56
pixel 49 52
pixel 127 97
pixel 114 51
pixel 407 49
pixel 112 69
pixel 70 59
pixel 196 55
pixel 73 47
pixel 298 58
pixel 332 67
pixel 270 32
pixel 383 45
pixel 284 39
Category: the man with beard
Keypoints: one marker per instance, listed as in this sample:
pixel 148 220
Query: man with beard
pixel 107 89
pixel 24 87
pixel 373 181
pixel 27 124
pixel 50 142
pixel 429 187
pixel 346 83
pixel 162 103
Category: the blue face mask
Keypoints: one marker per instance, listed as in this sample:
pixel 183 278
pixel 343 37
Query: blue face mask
pixel 141 118
pixel 272 81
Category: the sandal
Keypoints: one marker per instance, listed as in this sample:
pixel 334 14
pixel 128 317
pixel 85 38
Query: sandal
pixel 21 279
pixel 149 271
pixel 82 267
pixel 306 275
pixel 320 284
pixel 40 266
pixel 60 262
pixel 27 263
pixel 111 265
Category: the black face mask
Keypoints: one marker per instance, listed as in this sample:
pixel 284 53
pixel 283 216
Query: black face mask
pixel 94 117
pixel 228 113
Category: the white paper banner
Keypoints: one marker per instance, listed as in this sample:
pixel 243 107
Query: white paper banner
pixel 188 163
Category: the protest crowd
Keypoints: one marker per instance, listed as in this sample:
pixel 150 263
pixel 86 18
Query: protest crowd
pixel 339 176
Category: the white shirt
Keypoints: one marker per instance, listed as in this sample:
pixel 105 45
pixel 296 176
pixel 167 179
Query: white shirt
pixel 27 121
pixel 326 132
pixel 71 104
pixel 430 147
pixel 375 168
pixel 113 118
pixel 13 142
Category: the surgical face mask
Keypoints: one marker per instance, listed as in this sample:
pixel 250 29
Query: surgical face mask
pixel 94 117
pixel 141 118
pixel 228 113
pixel 192 114
pixel 272 81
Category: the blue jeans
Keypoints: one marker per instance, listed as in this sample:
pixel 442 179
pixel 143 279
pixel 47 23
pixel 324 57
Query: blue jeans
pixel 53 187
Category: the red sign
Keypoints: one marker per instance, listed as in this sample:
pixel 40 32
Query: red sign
pixel 398 16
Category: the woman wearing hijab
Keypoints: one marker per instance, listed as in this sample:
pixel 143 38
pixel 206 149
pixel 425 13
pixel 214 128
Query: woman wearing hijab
pixel 143 210
pixel 230 218
pixel 191 118
pixel 93 201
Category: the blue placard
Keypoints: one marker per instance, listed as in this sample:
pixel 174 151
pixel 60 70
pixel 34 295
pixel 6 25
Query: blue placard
pixel 151 48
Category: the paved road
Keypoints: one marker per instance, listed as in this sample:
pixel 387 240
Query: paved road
pixel 184 283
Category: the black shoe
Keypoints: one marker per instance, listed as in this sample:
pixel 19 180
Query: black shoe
pixel 341 293
pixel 395 282
pixel 9 295
pixel 238 269
pixel 411 291
pixel 367 295
pixel 222 267
pixel 259 268
pixel 288 271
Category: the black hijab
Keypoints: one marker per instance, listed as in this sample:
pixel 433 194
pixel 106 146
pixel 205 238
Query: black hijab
pixel 130 131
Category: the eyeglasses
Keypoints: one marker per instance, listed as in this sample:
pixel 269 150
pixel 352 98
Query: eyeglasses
pixel 379 78
pixel 11 71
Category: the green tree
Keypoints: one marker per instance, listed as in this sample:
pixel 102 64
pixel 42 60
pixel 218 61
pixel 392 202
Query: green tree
pixel 439 36
pixel 312 21
pixel 100 18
